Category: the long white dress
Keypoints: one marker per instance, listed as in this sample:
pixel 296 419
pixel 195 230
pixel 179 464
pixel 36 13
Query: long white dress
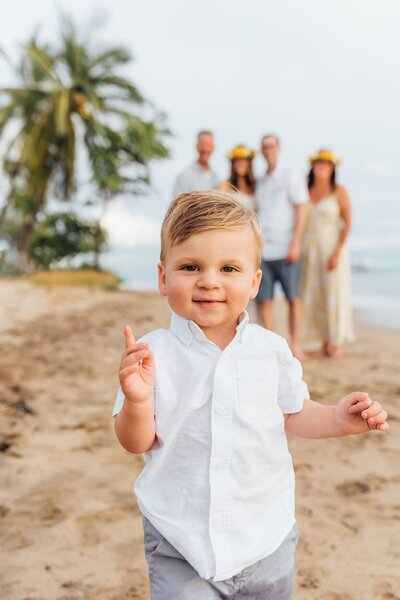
pixel 327 312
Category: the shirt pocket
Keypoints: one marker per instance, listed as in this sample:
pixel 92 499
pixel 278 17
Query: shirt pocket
pixel 258 390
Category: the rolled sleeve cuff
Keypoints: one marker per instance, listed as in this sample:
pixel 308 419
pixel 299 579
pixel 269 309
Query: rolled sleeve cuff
pixel 294 401
pixel 119 402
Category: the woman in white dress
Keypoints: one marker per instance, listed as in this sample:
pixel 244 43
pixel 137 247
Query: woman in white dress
pixel 241 181
pixel 325 285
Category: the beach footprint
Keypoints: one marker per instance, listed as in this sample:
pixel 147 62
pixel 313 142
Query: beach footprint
pixel 353 488
pixel 45 513
pixel 370 483
pixel 309 579
pixel 386 587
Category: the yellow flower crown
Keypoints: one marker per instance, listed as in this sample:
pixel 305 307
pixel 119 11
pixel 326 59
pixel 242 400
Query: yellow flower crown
pixel 241 151
pixel 326 155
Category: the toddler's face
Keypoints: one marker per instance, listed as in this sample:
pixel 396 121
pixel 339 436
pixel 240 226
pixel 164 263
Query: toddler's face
pixel 210 278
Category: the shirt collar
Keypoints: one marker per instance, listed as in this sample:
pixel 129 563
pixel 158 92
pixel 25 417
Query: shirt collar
pixel 186 330
pixel 199 169
pixel 277 172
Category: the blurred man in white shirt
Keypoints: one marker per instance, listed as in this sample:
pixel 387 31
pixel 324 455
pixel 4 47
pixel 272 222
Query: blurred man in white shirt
pixel 199 176
pixel 281 197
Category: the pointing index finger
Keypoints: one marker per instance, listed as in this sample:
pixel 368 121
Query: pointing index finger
pixel 129 337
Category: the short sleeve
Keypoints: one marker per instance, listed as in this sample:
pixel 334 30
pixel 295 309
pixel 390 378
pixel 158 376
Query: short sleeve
pixel 292 390
pixel 119 401
pixel 298 188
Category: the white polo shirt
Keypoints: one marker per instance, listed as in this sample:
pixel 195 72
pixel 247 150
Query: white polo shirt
pixel 276 196
pixel 218 483
pixel 194 178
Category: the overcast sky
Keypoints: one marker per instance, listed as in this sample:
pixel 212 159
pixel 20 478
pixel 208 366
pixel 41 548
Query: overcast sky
pixel 319 74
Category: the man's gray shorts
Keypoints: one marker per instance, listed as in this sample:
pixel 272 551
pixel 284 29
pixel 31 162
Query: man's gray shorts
pixel 288 275
pixel 173 578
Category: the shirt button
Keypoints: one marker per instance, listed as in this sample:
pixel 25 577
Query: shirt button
pixel 221 410
pixel 216 522
pixel 219 465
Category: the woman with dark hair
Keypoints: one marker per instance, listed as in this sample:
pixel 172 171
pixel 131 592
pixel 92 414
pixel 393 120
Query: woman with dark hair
pixel 241 181
pixel 325 286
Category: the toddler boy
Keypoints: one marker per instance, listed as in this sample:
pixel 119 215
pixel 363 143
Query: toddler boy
pixel 209 402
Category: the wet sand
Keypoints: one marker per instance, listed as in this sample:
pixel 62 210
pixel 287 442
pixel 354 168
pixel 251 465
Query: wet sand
pixel 69 525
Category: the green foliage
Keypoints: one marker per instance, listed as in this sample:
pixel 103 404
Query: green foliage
pixel 68 96
pixel 64 235
pixel 87 277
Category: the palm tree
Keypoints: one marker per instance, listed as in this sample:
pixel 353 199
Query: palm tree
pixel 68 96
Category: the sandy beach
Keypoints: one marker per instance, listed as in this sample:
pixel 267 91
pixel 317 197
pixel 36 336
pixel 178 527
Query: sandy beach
pixel 70 528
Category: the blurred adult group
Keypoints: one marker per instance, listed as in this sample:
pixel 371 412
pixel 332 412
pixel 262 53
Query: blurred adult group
pixel 305 222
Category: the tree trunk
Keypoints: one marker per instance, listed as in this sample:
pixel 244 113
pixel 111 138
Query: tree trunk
pixel 97 252
pixel 25 261
pixel 96 258
pixel 27 229
pixel 3 212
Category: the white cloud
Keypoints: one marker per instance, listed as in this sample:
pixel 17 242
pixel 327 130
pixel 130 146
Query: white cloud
pixel 128 230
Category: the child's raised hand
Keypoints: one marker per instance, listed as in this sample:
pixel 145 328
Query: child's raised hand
pixel 137 369
pixel 357 413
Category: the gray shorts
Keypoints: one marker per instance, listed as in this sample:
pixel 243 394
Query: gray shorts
pixel 173 578
pixel 288 275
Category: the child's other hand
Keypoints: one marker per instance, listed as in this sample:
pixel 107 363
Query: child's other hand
pixel 357 413
pixel 137 369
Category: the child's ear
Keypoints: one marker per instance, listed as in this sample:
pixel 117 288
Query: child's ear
pixel 161 279
pixel 255 284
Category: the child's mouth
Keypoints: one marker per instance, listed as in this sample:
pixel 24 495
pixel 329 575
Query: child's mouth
pixel 208 301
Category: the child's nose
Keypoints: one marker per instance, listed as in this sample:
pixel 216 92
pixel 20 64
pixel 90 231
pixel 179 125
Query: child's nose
pixel 208 280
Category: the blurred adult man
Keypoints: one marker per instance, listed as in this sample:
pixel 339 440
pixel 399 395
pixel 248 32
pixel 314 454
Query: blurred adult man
pixel 281 197
pixel 199 176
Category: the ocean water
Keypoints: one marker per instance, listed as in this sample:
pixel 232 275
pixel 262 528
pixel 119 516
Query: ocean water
pixel 374 246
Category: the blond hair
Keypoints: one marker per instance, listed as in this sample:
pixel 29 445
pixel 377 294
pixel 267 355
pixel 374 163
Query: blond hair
pixel 194 212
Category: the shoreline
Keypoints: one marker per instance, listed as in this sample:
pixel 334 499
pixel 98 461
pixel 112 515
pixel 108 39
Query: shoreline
pixel 374 291
pixel 368 316
pixel 374 318
pixel 69 523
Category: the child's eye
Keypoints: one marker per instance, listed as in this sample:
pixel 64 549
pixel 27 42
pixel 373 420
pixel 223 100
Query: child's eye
pixel 229 269
pixel 189 268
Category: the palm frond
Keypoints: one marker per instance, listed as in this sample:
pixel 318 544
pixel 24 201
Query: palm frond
pixel 118 85
pixel 109 59
pixel 62 116
pixel 44 61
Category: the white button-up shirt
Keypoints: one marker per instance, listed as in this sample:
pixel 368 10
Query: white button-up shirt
pixel 277 195
pixel 194 178
pixel 218 483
